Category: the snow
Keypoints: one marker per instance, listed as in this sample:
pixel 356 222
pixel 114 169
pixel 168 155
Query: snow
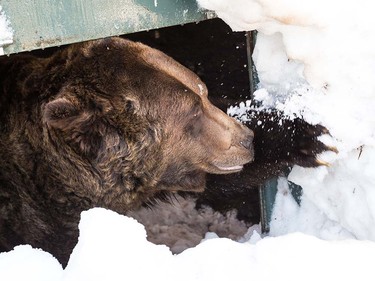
pixel 6 32
pixel 26 263
pixel 114 247
pixel 316 60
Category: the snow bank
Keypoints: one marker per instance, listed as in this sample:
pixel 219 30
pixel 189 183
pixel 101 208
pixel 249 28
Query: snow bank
pixel 26 263
pixel 114 247
pixel 316 59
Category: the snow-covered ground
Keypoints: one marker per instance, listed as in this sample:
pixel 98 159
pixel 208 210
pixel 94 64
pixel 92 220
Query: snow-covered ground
pixel 114 247
pixel 315 59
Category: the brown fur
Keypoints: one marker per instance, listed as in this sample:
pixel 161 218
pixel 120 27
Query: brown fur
pixel 108 123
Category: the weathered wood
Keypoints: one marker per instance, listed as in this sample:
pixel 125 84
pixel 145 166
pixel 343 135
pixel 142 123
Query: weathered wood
pixel 39 24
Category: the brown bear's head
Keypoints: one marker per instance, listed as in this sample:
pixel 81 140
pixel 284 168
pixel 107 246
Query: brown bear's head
pixel 142 119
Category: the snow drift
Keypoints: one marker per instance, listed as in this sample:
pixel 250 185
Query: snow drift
pixel 316 59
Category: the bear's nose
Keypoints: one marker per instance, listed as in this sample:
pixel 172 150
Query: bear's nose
pixel 247 142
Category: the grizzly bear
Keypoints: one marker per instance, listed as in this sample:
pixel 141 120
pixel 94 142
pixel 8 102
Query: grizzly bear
pixel 112 123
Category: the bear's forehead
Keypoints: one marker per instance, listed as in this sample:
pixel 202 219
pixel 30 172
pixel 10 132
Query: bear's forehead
pixel 170 67
pixel 146 74
pixel 130 52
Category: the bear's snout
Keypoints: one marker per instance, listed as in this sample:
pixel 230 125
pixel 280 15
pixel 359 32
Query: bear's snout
pixel 242 136
pixel 229 145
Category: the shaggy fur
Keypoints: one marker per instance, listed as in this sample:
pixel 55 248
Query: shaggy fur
pixel 180 225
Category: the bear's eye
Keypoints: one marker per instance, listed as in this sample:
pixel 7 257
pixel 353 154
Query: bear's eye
pixel 129 106
pixel 196 111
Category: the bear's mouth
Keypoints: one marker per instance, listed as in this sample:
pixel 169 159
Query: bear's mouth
pixel 229 169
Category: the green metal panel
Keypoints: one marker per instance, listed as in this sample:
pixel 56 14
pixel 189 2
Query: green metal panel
pixel 267 197
pixel 251 37
pixel 45 23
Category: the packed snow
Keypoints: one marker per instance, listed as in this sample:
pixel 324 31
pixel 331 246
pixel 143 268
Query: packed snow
pixel 114 247
pixel 315 59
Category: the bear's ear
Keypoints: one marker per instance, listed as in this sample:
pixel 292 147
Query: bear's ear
pixel 60 113
pixel 79 126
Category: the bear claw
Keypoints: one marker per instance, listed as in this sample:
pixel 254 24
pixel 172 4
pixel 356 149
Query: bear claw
pixel 332 148
pixel 322 163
